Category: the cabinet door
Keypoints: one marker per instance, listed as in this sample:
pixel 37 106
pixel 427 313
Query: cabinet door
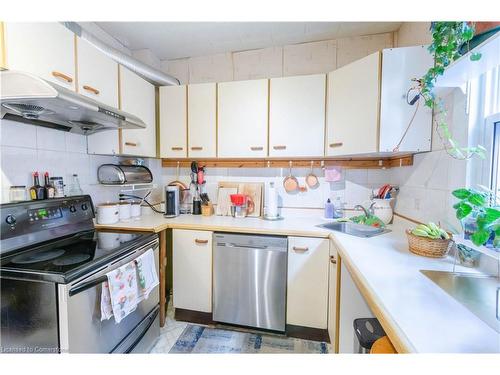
pixel 332 293
pixel 173 122
pixel 242 119
pixel 103 143
pixel 307 294
pixel 202 108
pixel 45 49
pixel 97 74
pixel 192 270
pixel 353 107
pixel 297 116
pixel 399 67
pixel 138 98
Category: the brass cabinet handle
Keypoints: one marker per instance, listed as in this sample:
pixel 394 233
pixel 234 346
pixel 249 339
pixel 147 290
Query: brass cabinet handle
pixel 337 144
pixel 256 148
pixel 62 76
pixel 200 242
pixel 301 249
pixel 133 144
pixel 280 147
pixel 91 89
pixel 333 260
pixel 177 148
pixel 196 148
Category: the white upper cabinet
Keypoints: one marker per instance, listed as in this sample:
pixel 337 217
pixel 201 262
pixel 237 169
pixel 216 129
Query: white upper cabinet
pixel 97 74
pixel 353 106
pixel 202 130
pixel 138 98
pixel 45 49
pixel 242 119
pixel 297 116
pixel 399 67
pixel 367 109
pixel 173 121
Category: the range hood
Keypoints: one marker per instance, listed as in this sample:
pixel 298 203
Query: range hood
pixel 27 98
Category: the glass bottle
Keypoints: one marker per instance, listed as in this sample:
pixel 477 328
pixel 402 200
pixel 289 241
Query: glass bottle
pixel 75 188
pixel 50 191
pixel 37 192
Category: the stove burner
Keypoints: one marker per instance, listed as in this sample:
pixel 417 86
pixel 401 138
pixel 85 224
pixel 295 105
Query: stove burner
pixel 71 259
pixel 35 257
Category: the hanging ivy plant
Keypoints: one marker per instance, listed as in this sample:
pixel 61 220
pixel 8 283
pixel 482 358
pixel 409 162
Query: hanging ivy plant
pixel 447 38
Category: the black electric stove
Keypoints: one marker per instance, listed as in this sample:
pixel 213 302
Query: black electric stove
pixel 66 259
pixel 53 264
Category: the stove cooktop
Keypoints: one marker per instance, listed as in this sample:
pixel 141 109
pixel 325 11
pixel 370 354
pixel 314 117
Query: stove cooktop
pixel 66 259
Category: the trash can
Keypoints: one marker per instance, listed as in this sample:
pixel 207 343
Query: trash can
pixel 367 331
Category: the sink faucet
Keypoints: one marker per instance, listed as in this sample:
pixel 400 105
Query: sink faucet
pixel 368 212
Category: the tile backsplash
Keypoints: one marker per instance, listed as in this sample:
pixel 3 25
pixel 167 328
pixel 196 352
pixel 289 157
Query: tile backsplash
pixel 354 187
pixel 27 148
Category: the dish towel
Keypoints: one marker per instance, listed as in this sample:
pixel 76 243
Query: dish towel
pixel 146 273
pixel 333 174
pixel 121 292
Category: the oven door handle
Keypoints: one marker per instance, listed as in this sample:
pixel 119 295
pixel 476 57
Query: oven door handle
pixel 82 287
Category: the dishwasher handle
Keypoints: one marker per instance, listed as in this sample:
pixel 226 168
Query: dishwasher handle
pixel 247 246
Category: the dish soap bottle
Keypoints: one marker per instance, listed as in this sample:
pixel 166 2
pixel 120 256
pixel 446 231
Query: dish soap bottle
pixel 338 210
pixel 329 209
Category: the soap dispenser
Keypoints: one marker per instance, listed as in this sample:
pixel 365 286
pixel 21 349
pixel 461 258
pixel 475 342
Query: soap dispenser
pixel 329 209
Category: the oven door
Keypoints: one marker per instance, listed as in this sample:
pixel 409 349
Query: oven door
pixel 80 327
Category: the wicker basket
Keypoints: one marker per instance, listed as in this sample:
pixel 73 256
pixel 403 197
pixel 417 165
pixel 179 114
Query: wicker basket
pixel 428 247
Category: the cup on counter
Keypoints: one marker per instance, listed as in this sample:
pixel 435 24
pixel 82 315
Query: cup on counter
pixel 135 210
pixel 124 209
pixel 107 213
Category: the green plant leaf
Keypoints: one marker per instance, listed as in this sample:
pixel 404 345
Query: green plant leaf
pixel 461 193
pixel 475 56
pixel 491 214
pixel 463 210
pixel 477 199
pixel 480 237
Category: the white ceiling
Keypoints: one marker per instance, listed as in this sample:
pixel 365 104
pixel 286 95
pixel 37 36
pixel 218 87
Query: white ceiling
pixel 171 40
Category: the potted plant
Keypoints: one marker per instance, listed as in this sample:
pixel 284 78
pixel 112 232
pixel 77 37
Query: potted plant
pixel 479 214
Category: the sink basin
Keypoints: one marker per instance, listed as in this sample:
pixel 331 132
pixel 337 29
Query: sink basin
pixel 354 229
pixel 478 293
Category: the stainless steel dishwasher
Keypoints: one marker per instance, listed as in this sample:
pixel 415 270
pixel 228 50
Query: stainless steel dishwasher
pixel 250 280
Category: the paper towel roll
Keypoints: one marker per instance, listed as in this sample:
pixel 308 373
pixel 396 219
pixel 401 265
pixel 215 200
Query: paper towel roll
pixel 272 201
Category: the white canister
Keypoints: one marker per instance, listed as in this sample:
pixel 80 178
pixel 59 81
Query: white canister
pixel 383 209
pixel 108 241
pixel 107 213
pixel 124 209
pixel 135 210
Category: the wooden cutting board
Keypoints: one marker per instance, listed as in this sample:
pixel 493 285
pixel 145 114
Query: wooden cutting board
pixel 252 189
pixel 224 200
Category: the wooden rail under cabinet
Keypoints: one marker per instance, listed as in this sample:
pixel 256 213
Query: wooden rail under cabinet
pixel 350 163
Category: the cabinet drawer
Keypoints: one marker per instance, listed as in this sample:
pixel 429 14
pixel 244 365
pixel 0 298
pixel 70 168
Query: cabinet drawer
pixel 307 295
pixel 192 270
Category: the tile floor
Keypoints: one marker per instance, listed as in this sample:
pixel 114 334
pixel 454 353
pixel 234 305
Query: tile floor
pixel 173 330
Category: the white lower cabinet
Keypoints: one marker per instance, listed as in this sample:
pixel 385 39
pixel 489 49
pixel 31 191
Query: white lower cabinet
pixel 307 294
pixel 352 306
pixel 192 270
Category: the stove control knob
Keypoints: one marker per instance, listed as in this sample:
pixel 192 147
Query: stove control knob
pixel 10 219
pixel 85 207
pixel 72 209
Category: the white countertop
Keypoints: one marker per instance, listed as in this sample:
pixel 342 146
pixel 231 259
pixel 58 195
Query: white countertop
pixel 422 316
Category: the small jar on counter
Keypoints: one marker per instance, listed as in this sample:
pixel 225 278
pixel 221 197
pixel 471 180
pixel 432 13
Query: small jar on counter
pixel 17 193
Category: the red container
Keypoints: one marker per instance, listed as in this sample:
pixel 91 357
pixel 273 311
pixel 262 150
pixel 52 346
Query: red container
pixel 238 199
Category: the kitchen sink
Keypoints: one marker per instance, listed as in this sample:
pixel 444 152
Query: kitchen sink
pixel 478 293
pixel 354 229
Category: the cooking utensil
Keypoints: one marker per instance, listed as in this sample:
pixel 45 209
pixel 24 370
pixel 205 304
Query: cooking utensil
pixel 183 189
pixel 290 183
pixel 311 179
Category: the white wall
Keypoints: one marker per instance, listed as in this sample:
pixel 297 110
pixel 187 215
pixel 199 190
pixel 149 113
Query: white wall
pixel 297 59
pixel 26 148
